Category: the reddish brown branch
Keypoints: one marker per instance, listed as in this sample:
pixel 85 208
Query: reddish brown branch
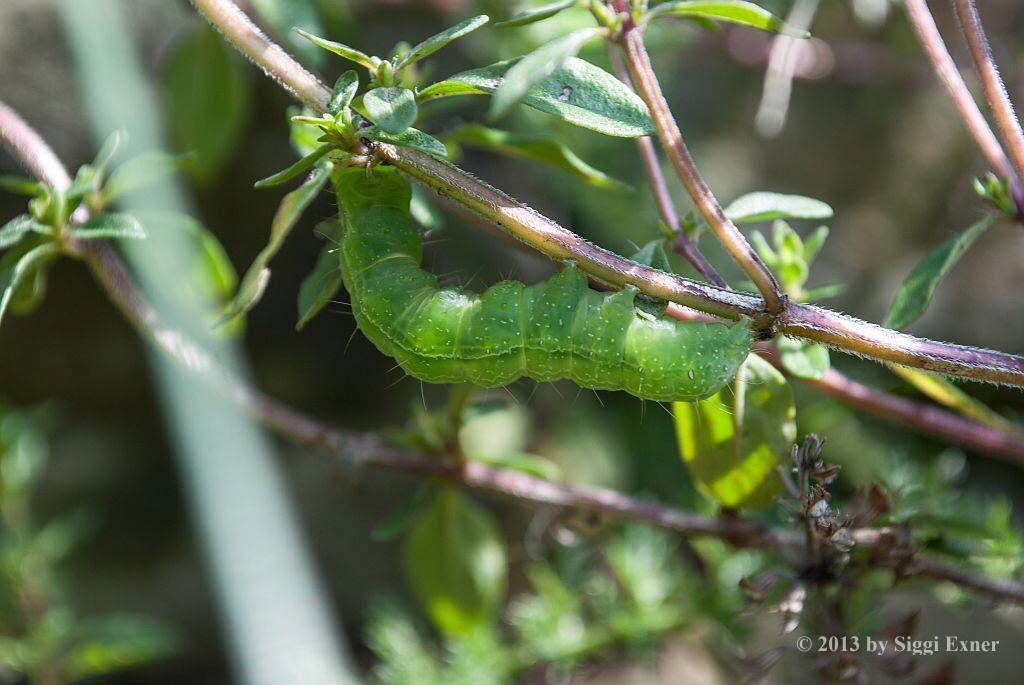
pixel 682 243
pixel 991 81
pixel 945 69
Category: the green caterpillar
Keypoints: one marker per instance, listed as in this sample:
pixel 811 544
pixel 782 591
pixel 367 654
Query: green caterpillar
pixel 553 330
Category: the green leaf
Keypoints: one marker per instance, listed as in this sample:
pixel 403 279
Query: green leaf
pixel 18 227
pixel 915 294
pixel 351 54
pixel 110 148
pixel 535 148
pixel 733 441
pixel 16 269
pixel 255 280
pixel 281 16
pixel 733 11
pixel 317 289
pixel 410 137
pixel 344 90
pixel 141 171
pixel 764 206
pixel 87 181
pixel 300 167
pixel 532 14
pixel 455 561
pixel 438 41
pixel 208 101
pixel 535 67
pixel 392 109
pixel 115 225
pixel 945 393
pixel 19 185
pixel 30 291
pixel 803 359
pixel 792 268
pixel 814 243
pixel 112 643
pixel 766 251
pixel 577 92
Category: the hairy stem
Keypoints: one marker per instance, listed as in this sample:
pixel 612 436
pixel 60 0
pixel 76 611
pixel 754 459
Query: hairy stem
pixel 991 81
pixel 945 69
pixel 801 320
pixel 887 547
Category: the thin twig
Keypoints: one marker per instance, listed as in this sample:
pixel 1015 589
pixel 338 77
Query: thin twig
pixel 885 546
pixel 945 69
pixel 991 81
pixel 682 243
pixel 646 82
pixel 842 332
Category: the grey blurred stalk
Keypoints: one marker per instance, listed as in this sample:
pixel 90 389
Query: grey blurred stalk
pixel 273 608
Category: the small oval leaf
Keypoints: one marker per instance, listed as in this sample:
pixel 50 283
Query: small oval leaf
pixel 455 560
pixel 344 91
pixel 733 441
pixel 764 206
pixel 392 109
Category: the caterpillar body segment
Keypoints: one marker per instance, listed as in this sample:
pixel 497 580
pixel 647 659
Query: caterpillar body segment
pixel 557 329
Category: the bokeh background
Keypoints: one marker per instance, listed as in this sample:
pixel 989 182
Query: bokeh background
pixel 869 131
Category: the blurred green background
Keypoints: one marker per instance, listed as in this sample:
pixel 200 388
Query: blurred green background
pixel 869 131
